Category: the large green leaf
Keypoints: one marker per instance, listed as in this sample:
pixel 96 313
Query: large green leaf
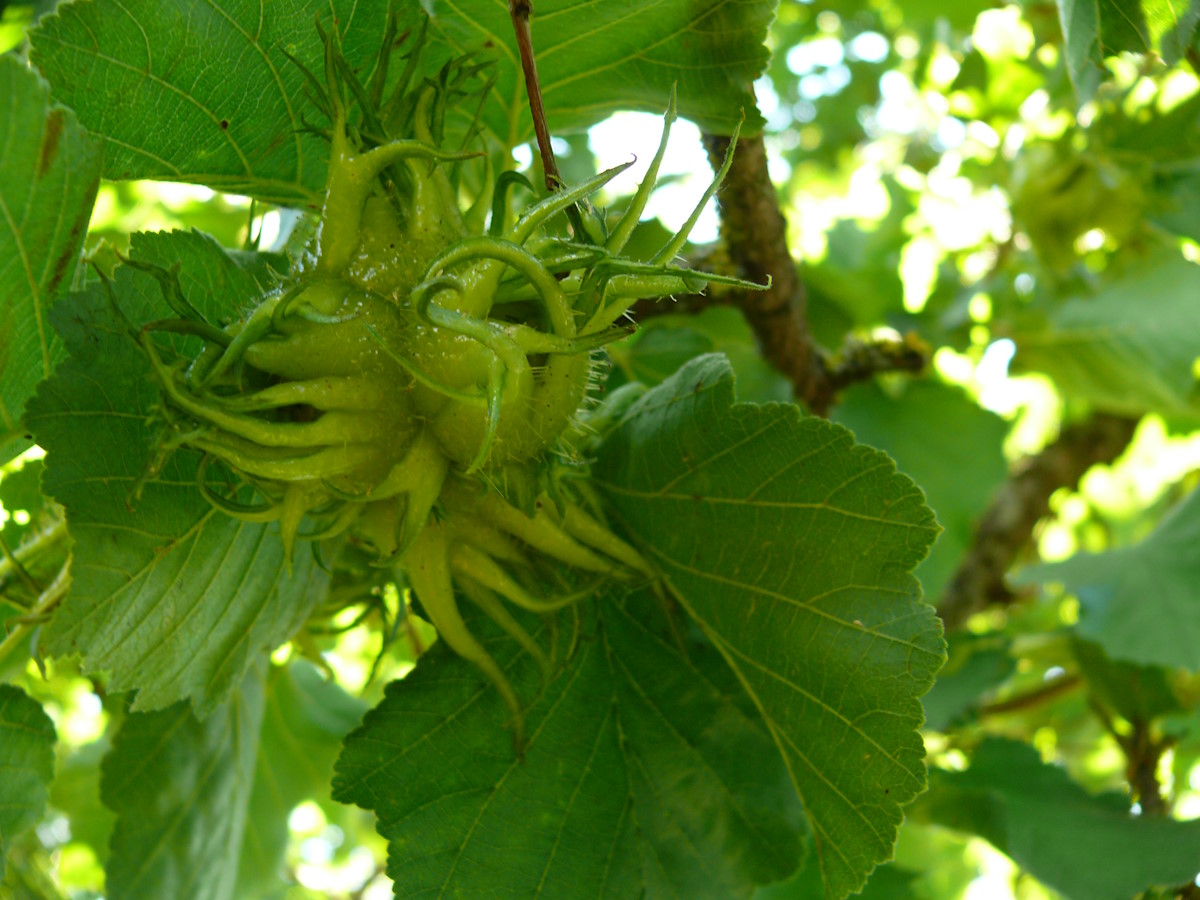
pixel 171 597
pixel 49 173
pixel 26 764
pixel 1088 847
pixel 792 548
pixel 642 775
pixel 958 471
pixel 596 58
pixel 304 722
pixel 181 788
pixel 1139 603
pixel 1094 29
pixel 202 90
pixel 1130 347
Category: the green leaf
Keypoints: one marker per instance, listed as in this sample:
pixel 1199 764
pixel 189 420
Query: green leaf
pixel 49 174
pixel 202 90
pixel 792 547
pixel 664 343
pixel 642 775
pixel 1139 603
pixel 180 787
pixel 172 598
pixel 1093 30
pixel 976 666
pixel 21 490
pixel 1082 845
pixel 594 59
pixel 304 722
pixel 888 882
pixel 76 793
pixel 958 471
pixel 1137 693
pixel 27 761
pixel 1129 348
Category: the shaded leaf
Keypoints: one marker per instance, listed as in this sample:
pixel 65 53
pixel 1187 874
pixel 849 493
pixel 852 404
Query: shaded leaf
pixel 975 667
pixel 1137 693
pixel 27 761
pixel 888 882
pixel 792 547
pixel 49 174
pixel 181 788
pixel 595 59
pixel 641 776
pixel 1129 348
pixel 304 721
pixel 1139 603
pixel 172 598
pixel 664 343
pixel 202 90
pixel 1088 847
pixel 958 471
pixel 76 793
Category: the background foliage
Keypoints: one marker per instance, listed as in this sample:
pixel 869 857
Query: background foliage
pixel 1015 184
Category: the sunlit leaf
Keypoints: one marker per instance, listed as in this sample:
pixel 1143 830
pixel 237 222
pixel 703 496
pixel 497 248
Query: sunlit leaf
pixel 171 597
pixel 49 173
pixel 1139 603
pixel 1128 348
pixel 203 90
pixel 596 58
pixel 1079 844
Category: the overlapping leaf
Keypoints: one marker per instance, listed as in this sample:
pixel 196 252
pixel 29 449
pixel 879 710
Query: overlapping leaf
pixel 304 721
pixel 181 789
pixel 203 90
pixel 1140 603
pixel 642 775
pixel 596 58
pixel 1088 847
pixel 26 764
pixel 49 173
pixel 1130 347
pixel 171 597
pixel 1093 30
pixel 792 547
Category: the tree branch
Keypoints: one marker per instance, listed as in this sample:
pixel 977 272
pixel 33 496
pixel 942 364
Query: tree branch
pixel 1007 524
pixel 754 247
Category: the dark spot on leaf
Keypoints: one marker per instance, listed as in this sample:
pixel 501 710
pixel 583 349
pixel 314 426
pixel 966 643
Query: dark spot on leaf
pixel 54 127
pixel 697 497
pixel 71 245
pixel 29 437
pixel 224 124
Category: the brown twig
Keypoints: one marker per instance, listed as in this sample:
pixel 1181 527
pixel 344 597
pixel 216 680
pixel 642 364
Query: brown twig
pixel 755 235
pixel 754 247
pixel 1043 693
pixel 521 11
pixel 1142 754
pixel 1008 523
